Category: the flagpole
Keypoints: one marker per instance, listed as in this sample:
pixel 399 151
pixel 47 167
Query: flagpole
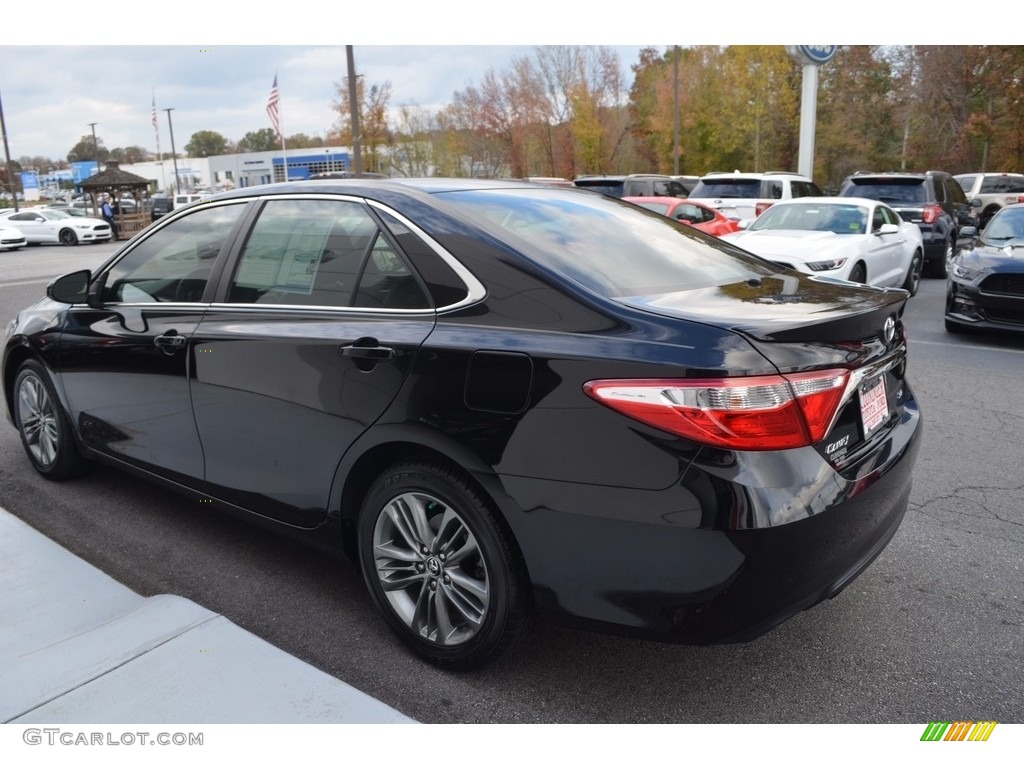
pixel 156 130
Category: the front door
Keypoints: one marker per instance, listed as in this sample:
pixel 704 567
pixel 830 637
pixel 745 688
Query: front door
pixel 126 365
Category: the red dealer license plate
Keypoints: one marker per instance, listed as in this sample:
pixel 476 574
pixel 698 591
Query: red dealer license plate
pixel 874 406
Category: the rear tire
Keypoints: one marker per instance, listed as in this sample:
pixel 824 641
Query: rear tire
pixel 441 566
pixel 912 282
pixel 940 267
pixel 43 425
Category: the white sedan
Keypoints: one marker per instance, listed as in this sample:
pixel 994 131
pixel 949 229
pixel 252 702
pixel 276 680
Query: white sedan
pixel 46 225
pixel 11 238
pixel 849 238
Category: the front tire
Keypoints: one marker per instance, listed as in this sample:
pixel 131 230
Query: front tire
pixel 441 566
pixel 858 274
pixel 43 425
pixel 68 237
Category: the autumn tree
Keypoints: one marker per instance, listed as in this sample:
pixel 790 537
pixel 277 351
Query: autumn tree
pixel 375 132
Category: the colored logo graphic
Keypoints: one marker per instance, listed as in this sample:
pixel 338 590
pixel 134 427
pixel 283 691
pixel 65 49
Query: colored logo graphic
pixel 960 730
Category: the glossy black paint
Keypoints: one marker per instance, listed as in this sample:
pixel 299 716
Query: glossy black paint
pixel 289 412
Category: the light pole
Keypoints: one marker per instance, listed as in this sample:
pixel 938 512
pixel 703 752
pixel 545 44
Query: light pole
pixel 174 154
pixel 353 106
pixel 95 146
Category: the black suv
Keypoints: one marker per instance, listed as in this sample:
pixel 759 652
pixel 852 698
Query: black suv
pixel 933 200
pixel 633 185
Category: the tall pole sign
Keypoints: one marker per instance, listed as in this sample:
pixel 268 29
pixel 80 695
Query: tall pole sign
pixel 810 57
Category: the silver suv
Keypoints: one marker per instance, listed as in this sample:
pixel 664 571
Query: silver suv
pixel 744 196
pixel 989 192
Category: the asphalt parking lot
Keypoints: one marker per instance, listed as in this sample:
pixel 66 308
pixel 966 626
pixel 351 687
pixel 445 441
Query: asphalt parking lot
pixel 932 631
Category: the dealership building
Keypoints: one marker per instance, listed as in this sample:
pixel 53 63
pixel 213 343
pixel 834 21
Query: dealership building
pixel 246 169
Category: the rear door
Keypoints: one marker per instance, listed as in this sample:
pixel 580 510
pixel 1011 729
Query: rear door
pixel 312 337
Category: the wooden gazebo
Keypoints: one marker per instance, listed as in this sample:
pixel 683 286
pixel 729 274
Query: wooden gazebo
pixel 115 182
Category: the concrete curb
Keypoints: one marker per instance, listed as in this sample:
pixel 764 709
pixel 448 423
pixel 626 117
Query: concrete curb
pixel 78 647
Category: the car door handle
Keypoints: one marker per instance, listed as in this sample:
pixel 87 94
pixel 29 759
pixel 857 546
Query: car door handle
pixel 170 342
pixel 366 352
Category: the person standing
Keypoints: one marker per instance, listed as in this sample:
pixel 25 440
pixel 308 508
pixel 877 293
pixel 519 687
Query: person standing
pixel 108 216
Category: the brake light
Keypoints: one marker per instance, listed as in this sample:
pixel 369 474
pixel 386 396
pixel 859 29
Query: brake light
pixel 931 213
pixel 761 206
pixel 752 413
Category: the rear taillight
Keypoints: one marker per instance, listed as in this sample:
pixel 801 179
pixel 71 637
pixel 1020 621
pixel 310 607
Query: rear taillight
pixel 761 206
pixel 752 413
pixel 931 213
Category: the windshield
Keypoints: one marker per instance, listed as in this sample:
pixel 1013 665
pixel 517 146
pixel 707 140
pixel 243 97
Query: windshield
pixel 612 248
pixel 56 215
pixel 839 218
pixel 1005 227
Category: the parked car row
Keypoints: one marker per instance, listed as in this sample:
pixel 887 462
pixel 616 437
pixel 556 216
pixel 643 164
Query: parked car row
pixel 883 229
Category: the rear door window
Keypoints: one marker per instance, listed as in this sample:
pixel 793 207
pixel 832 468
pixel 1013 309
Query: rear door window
pixel 324 253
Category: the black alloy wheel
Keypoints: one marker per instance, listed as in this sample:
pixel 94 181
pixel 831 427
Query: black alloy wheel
pixel 68 237
pixel 441 566
pixel 43 425
pixel 913 280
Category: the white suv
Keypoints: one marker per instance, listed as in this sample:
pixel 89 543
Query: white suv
pixel 743 196
pixel 989 192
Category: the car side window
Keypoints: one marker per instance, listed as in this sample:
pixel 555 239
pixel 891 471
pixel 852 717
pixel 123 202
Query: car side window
pixel 325 253
pixel 878 219
pixel 173 263
pixel 954 192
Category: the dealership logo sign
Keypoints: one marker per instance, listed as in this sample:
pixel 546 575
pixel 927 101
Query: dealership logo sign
pixel 960 730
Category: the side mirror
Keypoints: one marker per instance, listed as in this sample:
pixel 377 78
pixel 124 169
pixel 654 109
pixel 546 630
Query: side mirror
pixel 72 288
pixel 887 229
pixel 976 202
pixel 969 232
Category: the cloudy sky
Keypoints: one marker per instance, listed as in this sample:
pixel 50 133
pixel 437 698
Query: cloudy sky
pixel 223 88
pixel 215 65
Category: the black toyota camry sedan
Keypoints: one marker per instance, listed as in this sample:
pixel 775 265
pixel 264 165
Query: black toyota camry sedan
pixel 985 288
pixel 501 399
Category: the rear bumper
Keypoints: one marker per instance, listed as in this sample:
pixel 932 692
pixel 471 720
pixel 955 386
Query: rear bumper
pixel 715 560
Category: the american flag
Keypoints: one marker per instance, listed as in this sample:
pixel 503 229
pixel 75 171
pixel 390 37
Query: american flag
pixel 156 127
pixel 272 102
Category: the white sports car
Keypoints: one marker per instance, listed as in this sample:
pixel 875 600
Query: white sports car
pixel 45 225
pixel 10 237
pixel 849 238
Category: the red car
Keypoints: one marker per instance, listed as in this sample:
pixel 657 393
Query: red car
pixel 689 212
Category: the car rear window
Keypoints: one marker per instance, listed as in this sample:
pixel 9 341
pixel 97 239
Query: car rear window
pixel 892 191
pixel 614 249
pixel 610 187
pixel 743 188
